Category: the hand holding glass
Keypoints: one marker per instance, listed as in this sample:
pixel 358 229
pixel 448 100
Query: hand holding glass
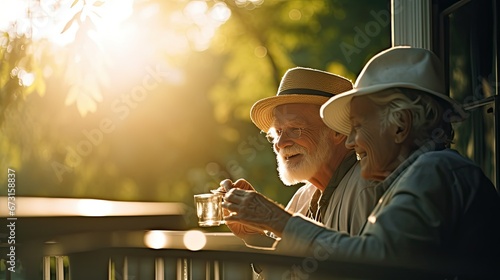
pixel 209 209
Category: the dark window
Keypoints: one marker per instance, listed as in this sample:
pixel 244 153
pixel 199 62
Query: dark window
pixel 469 49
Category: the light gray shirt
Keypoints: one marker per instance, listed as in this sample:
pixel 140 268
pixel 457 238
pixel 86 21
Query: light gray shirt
pixel 348 207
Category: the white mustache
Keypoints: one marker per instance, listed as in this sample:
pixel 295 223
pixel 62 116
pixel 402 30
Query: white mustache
pixel 286 152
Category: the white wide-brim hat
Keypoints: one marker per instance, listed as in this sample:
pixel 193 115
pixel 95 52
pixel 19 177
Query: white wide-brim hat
pixel 397 67
pixel 299 85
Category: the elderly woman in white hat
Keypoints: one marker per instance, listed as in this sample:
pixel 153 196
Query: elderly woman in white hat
pixel 438 204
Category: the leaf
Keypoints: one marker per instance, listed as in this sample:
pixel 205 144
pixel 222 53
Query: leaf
pixel 85 104
pixel 72 95
pixel 102 76
pixel 92 88
pixel 96 94
pixel 74 3
pixel 98 3
pixel 70 22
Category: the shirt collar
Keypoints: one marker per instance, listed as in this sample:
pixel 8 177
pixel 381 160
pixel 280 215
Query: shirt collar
pixel 428 146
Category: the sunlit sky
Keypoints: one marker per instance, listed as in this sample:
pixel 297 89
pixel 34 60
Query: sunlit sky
pixel 118 31
pixel 48 18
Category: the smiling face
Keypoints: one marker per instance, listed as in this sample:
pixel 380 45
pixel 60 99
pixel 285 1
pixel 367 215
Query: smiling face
pixel 300 158
pixel 379 150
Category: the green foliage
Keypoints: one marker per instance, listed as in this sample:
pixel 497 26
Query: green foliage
pixel 144 119
pixel 21 75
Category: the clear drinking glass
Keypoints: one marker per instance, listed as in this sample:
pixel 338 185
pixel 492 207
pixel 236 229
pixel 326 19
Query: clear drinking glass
pixel 209 209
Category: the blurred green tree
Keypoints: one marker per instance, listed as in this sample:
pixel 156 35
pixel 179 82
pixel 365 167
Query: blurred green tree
pixel 157 109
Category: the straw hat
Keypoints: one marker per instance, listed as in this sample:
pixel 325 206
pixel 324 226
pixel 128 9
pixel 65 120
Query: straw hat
pixel 299 85
pixel 402 67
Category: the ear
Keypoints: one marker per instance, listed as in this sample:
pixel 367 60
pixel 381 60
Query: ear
pixel 402 132
pixel 338 138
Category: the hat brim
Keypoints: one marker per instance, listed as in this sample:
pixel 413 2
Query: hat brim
pixel 336 111
pixel 262 114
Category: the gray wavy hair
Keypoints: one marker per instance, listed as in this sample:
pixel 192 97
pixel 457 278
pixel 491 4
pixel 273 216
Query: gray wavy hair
pixel 427 113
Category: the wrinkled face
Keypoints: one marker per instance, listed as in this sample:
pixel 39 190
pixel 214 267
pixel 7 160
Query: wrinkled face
pixel 302 142
pixel 376 148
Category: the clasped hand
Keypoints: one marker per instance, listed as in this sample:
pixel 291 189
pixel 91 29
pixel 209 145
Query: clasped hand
pixel 249 212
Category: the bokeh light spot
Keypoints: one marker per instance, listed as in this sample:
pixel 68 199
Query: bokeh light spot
pixel 260 51
pixel 220 12
pixel 295 14
pixel 26 79
pixel 212 168
pixel 194 240
pixel 195 9
pixel 155 239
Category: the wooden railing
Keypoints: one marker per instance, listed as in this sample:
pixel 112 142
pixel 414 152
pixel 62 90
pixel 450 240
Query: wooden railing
pixel 154 242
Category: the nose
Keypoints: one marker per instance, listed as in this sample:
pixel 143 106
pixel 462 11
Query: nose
pixel 349 142
pixel 283 141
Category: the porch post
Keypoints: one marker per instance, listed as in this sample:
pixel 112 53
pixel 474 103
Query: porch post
pixel 411 23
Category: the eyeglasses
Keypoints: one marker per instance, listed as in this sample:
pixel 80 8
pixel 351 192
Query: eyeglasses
pixel 292 133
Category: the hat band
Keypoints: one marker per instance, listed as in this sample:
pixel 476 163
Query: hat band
pixel 305 91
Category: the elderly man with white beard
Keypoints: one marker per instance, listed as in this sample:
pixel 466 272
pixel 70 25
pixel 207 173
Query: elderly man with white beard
pixel 309 152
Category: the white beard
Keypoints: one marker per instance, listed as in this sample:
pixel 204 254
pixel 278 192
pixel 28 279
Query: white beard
pixel 301 172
